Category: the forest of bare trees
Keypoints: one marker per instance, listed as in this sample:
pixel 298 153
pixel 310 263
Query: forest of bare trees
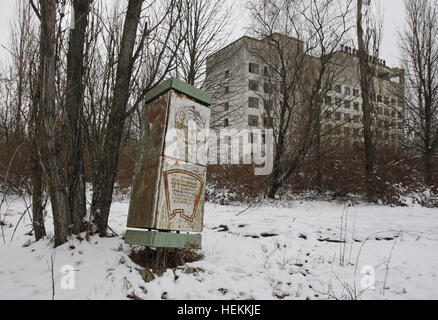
pixel 419 48
pixel 72 93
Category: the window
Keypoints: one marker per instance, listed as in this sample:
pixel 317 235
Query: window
pixel 393 102
pixel 347 91
pixel 347 117
pixel 356 106
pixel 373 97
pixel 266 71
pixel 347 104
pixel 394 114
pixel 379 98
pixel 338 102
pixel 266 122
pixel 338 116
pixel 267 87
pixel 387 113
pixel 227 90
pixel 400 125
pixel 338 89
pixel 253 103
pixel 386 100
pixel 356 92
pixel 253 68
pixel 328 100
pixel 347 131
pixel 356 119
pixel 386 125
pixel 380 123
pixel 253 121
pixel 253 85
pixel 226 123
pixel 227 73
pixel 327 115
pixel 226 106
pixel 379 110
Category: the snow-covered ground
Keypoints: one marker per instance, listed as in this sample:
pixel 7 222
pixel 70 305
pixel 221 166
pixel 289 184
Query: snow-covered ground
pixel 284 250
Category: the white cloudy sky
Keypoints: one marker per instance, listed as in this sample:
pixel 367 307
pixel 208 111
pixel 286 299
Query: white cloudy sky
pixel 393 11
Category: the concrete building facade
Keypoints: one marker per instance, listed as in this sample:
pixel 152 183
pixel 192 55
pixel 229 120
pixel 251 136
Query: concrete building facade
pixel 237 80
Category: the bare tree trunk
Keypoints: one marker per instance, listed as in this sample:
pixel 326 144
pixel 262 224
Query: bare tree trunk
pixel 107 167
pixel 419 48
pixel 74 113
pixel 318 154
pixel 48 141
pixel 37 174
pixel 427 167
pixel 37 201
pixel 365 83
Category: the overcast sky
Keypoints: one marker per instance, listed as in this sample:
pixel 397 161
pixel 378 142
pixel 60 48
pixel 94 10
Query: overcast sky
pixel 394 18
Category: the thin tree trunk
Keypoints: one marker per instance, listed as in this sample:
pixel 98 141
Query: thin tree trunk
pixel 365 84
pixel 74 113
pixel 37 175
pixel 427 168
pixel 318 157
pixel 48 142
pixel 37 201
pixel 107 167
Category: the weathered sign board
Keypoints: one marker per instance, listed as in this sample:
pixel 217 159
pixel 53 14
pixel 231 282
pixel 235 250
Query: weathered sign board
pixel 167 198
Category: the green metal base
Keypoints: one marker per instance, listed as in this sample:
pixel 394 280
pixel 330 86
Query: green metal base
pixel 159 239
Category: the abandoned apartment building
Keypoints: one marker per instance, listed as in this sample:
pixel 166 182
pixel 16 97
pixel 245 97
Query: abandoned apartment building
pixel 237 77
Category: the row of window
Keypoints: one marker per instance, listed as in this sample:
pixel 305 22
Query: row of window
pixel 356 106
pixel 379 98
pixel 347 91
pixel 253 103
pixel 357 119
pixel 358 133
pixel 253 85
pixel 253 121
pixel 254 68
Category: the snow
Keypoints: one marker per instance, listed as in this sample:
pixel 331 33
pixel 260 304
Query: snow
pixel 277 250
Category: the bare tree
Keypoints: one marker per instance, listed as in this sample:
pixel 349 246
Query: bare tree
pixel 419 48
pixel 299 45
pixel 139 68
pixel 74 105
pixel 48 138
pixel 368 44
pixel 205 27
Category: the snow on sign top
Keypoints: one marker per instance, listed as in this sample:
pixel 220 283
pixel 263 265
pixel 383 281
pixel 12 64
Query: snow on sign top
pixel 181 87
